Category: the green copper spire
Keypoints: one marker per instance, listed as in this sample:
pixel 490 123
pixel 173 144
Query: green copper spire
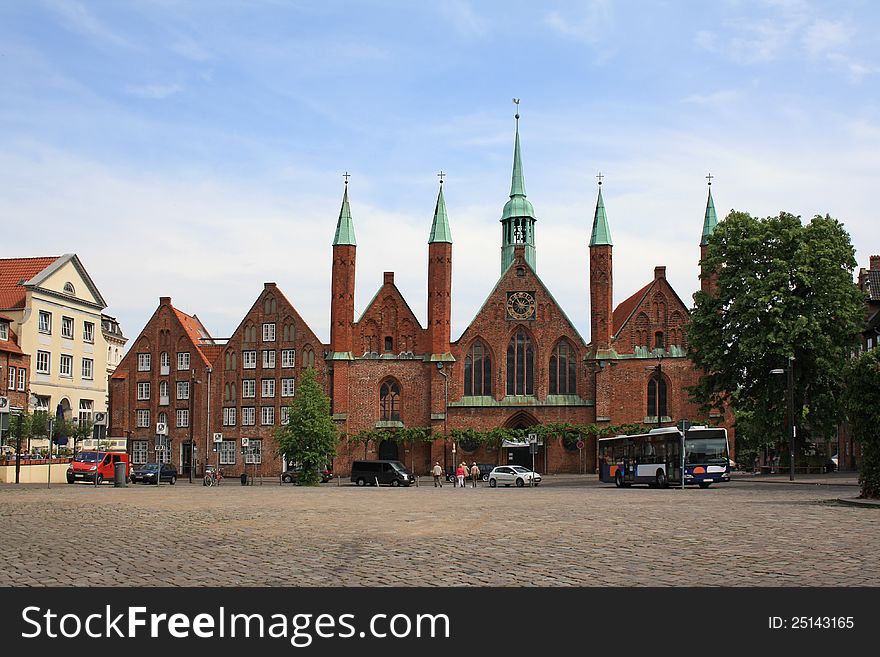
pixel 345 226
pixel 440 228
pixel 711 219
pixel 601 235
pixel 518 217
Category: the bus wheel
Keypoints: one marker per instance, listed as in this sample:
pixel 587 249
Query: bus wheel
pixel 618 480
pixel 705 484
pixel 662 482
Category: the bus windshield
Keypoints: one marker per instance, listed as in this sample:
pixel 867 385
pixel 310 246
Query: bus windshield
pixel 707 451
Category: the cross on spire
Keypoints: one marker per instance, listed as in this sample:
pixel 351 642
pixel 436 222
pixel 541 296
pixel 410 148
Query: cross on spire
pixel 516 102
pixel 346 176
pixel 441 175
pixel 599 176
pixel 709 178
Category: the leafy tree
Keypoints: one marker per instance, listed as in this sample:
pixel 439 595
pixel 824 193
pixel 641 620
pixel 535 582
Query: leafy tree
pixel 863 409
pixel 309 438
pixel 783 289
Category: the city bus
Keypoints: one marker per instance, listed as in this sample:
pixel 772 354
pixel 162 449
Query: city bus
pixel 654 458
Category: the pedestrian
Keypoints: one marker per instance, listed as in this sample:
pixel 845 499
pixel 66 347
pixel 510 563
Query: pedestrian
pixel 437 471
pixel 475 473
pixel 459 474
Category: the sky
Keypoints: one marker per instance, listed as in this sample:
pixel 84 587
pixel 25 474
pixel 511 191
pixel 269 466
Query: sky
pixel 196 149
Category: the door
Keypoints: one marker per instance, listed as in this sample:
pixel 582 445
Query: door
pixel 388 451
pixel 185 458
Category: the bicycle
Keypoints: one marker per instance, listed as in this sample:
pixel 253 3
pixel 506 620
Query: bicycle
pixel 213 477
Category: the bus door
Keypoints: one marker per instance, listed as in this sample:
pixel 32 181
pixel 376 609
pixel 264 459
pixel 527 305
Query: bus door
pixel 629 462
pixel 673 459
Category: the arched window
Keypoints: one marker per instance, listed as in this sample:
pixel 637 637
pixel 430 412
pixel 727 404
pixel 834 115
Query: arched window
pixel 163 418
pixel 69 289
pixel 478 371
pixel 563 370
pixel 657 397
pixel 308 357
pixel 520 365
pixel 389 401
pixel 658 340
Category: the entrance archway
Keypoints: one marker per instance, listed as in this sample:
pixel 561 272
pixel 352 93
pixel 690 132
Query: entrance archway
pixel 521 455
pixel 388 451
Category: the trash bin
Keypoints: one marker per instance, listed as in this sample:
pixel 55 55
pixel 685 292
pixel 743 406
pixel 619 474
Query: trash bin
pixel 119 472
pixel 244 479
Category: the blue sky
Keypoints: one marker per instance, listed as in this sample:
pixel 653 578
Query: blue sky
pixel 196 149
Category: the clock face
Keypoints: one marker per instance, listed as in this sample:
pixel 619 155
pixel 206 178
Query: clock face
pixel 521 305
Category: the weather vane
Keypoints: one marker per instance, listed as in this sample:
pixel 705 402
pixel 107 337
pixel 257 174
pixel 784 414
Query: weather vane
pixel 516 102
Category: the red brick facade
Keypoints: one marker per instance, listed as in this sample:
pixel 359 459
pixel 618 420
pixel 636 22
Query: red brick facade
pixel 15 367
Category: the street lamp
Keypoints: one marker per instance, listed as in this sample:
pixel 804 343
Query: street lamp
pixel 192 445
pixel 792 431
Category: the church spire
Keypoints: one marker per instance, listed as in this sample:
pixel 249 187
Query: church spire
pixel 518 217
pixel 711 219
pixel 440 228
pixel 601 235
pixel 345 226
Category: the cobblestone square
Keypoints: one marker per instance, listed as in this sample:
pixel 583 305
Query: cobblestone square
pixel 570 531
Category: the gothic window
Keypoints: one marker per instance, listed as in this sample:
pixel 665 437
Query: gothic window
pixel 478 371
pixel 389 343
pixel 308 357
pixel 389 401
pixel 657 397
pixel 658 340
pixel 520 365
pixel 563 370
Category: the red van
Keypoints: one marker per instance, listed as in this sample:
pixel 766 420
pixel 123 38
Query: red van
pixel 87 466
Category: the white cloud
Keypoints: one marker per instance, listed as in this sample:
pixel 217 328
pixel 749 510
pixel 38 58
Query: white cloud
pixel 463 18
pixel 77 18
pixel 590 25
pixel 154 91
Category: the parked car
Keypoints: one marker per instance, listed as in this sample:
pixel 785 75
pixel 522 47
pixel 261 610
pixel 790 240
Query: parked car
pixel 92 466
pixel 147 473
pixel 513 474
pixel 393 473
pixel 485 469
pixel 291 475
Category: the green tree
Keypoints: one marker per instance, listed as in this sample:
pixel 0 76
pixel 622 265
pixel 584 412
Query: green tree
pixel 309 438
pixel 783 289
pixel 863 409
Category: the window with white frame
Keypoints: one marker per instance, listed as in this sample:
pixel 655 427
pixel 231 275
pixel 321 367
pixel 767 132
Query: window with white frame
pixel 12 371
pixel 88 368
pixel 144 361
pixel 163 393
pixel 285 414
pixel 44 324
pixel 143 390
pixel 85 411
pixel 4 331
pixel 67 327
pixel 268 358
pixel 254 452
pixel 42 404
pixel 227 452
pixel 139 451
pixel 163 418
pixel 164 456
pixel 248 388
pixel 268 388
pixel 183 360
pixel 182 418
pixel 267 415
pixel 248 416
pixel 288 357
pixel 269 332
pixel 43 362
pixel 164 362
pixel 229 416
pixel 22 376
pixel 88 332
pixel 65 365
pixel 183 389
pixel 287 387
pixel 143 417
pixel 249 359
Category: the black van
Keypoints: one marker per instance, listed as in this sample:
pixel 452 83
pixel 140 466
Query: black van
pixel 393 473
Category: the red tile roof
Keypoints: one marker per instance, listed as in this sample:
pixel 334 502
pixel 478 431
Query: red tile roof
pixel 211 351
pixel 627 307
pixel 196 331
pixel 8 346
pixel 15 270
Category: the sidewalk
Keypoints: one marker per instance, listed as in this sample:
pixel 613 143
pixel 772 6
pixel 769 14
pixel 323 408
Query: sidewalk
pixel 828 479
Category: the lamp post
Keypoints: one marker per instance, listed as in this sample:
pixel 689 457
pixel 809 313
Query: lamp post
pixel 192 446
pixel 792 430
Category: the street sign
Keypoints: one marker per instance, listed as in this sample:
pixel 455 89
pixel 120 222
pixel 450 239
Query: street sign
pixel 684 425
pixel 580 444
pixel 4 404
pixel 244 442
pixel 218 437
pixel 533 438
pixel 161 429
pixel 533 448
pixel 100 419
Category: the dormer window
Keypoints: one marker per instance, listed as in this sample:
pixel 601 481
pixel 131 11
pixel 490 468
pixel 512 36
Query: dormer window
pixel 4 331
pixel 69 289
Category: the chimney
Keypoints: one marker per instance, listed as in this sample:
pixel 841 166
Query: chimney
pixel 660 271
pixel 164 301
pixel 875 263
pixel 389 278
pixel 266 286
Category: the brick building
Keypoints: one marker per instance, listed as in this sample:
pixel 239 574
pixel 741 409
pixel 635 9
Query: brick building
pixel 15 368
pixel 520 362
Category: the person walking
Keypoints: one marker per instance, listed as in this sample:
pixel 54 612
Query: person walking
pixel 459 474
pixel 437 471
pixel 475 473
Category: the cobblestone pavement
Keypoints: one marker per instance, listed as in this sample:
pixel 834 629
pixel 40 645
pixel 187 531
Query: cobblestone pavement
pixel 569 531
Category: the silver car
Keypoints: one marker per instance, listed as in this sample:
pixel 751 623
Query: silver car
pixel 513 474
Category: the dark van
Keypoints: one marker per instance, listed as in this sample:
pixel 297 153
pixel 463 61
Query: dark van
pixel 393 473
